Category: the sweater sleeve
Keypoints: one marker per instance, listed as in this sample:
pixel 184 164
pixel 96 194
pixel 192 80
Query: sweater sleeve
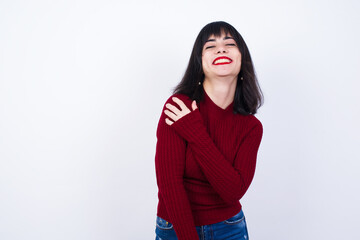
pixel 169 166
pixel 230 181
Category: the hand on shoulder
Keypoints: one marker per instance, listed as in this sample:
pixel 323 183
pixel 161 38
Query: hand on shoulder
pixel 175 113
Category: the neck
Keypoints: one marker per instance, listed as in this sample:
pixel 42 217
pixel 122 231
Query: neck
pixel 221 90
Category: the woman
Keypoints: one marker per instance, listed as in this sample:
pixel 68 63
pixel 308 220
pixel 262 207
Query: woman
pixel 207 141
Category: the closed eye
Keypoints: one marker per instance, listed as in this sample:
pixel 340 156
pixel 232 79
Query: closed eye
pixel 209 47
pixel 231 44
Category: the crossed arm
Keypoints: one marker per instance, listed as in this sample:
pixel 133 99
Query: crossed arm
pixel 230 181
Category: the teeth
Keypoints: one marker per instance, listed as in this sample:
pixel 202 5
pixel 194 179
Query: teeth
pixel 222 60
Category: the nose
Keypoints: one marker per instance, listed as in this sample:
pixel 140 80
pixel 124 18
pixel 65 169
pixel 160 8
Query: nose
pixel 221 49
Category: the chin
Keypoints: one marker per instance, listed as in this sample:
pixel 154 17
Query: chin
pixel 226 74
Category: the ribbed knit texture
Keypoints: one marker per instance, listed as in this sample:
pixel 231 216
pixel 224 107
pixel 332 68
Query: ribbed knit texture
pixel 204 163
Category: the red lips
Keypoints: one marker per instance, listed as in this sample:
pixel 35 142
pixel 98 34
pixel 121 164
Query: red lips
pixel 221 62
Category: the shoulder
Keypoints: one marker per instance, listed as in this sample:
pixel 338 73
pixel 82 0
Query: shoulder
pixel 252 123
pixel 164 127
pixel 255 125
pixel 255 122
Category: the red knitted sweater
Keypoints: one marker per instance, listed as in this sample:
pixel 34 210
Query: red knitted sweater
pixel 204 163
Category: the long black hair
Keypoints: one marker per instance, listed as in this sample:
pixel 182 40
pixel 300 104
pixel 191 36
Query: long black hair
pixel 248 95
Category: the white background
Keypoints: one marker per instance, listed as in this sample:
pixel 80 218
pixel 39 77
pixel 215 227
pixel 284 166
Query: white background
pixel 83 83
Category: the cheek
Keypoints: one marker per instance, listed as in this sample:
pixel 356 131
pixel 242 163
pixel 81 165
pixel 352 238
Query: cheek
pixel 239 56
pixel 239 60
pixel 203 58
pixel 205 61
pixel 238 64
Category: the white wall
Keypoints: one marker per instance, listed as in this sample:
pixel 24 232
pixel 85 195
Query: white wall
pixel 82 85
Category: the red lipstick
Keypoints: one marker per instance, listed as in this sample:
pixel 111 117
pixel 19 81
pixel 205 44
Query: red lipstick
pixel 223 60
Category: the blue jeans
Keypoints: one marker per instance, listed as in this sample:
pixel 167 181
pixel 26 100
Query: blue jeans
pixel 233 228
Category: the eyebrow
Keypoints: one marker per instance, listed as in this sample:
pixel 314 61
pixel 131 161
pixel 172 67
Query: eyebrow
pixel 213 40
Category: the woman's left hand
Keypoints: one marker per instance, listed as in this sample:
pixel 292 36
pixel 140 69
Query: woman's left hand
pixel 176 114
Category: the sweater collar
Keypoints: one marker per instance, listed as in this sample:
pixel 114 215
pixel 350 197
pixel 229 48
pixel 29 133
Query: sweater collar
pixel 215 108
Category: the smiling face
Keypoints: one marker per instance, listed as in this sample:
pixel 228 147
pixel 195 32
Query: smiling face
pixel 221 57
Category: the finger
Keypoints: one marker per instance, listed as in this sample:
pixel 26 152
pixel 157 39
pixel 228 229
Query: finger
pixel 194 106
pixel 168 122
pixel 172 108
pixel 171 115
pixel 180 103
